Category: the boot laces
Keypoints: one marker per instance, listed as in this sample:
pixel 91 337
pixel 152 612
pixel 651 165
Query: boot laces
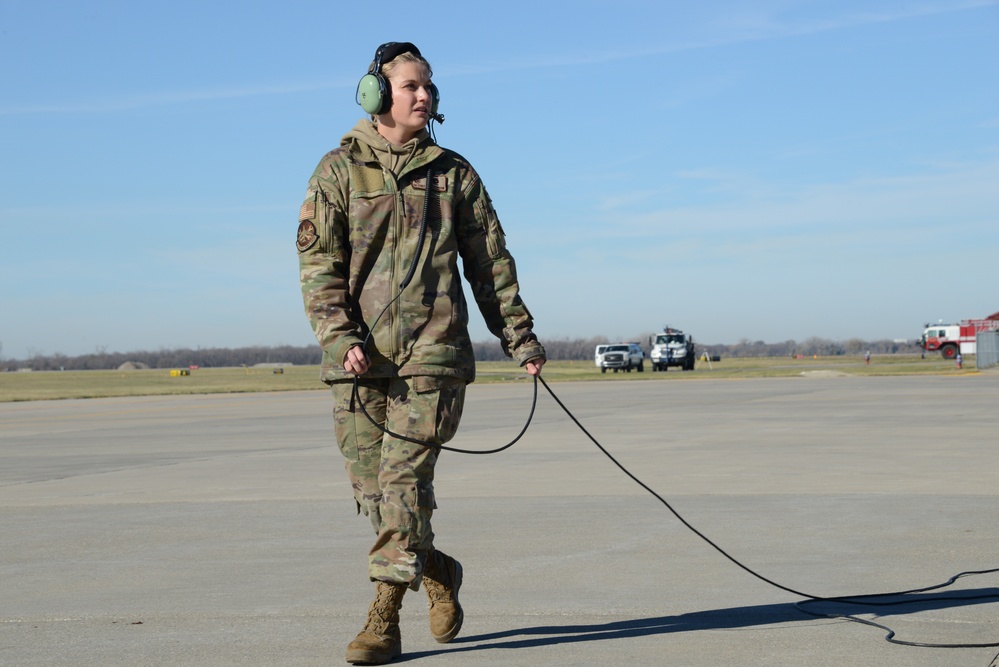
pixel 381 612
pixel 436 591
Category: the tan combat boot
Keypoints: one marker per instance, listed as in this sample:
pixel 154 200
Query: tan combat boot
pixel 442 579
pixel 379 641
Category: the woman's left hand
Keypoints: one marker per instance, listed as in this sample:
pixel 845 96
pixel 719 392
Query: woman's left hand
pixel 534 366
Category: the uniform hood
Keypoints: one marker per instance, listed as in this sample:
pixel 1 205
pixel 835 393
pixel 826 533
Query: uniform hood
pixel 367 145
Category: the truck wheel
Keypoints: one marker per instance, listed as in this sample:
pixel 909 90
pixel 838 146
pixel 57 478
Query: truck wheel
pixel 641 366
pixel 948 351
pixel 603 370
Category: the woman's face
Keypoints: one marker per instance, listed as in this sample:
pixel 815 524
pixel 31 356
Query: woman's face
pixel 411 100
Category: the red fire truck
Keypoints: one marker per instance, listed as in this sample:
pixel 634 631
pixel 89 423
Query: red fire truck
pixel 953 338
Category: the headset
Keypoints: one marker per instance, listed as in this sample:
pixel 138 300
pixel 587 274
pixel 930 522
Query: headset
pixel 374 92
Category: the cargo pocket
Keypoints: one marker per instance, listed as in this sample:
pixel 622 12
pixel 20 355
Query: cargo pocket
pixel 344 421
pixel 442 397
pixel 425 498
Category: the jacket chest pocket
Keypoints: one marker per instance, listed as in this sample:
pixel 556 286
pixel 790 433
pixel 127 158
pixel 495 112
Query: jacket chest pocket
pixel 434 205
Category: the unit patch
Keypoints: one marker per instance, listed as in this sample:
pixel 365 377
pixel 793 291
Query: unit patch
pixel 307 235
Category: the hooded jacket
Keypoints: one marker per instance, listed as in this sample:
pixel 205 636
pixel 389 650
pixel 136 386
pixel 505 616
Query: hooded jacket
pixel 367 206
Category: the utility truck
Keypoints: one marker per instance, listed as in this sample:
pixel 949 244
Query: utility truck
pixel 950 339
pixel 671 347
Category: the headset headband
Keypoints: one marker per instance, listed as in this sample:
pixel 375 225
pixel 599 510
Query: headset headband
pixel 389 51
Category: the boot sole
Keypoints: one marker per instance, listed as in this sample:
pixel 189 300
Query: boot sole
pixel 453 632
pixel 361 657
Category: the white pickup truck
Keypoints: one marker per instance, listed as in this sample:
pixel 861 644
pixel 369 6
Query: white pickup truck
pixel 619 356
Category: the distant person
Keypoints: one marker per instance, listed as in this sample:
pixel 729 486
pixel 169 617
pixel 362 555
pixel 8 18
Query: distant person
pixel 386 218
pixel 959 360
pixel 867 358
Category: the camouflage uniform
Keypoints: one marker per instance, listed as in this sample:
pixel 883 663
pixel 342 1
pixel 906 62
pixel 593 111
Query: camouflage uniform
pixel 358 234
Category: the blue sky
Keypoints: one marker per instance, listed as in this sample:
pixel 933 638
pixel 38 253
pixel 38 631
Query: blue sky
pixel 766 170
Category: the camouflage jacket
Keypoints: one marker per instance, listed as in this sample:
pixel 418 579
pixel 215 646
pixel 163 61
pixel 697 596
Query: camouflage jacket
pixel 358 233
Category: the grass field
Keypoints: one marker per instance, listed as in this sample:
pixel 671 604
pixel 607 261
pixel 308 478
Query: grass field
pixel 50 385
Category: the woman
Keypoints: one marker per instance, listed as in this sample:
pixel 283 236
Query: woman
pixel 385 219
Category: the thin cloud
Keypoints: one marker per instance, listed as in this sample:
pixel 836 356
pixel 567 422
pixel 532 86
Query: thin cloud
pixel 962 196
pixel 748 32
pixel 168 98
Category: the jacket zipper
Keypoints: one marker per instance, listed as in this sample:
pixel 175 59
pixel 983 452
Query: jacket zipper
pixel 397 259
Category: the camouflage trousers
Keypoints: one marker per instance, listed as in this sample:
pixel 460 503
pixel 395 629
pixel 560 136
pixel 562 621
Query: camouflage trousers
pixel 393 480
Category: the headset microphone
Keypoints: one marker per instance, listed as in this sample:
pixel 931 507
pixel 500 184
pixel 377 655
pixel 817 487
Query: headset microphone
pixel 439 117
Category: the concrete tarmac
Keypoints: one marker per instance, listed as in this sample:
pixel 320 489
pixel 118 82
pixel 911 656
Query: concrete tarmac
pixel 220 529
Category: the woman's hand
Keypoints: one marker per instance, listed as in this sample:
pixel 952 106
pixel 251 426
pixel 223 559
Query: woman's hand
pixel 355 361
pixel 534 365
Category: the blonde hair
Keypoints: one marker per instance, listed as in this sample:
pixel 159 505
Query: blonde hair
pixel 407 57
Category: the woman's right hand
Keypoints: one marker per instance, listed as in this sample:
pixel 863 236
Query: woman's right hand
pixel 355 361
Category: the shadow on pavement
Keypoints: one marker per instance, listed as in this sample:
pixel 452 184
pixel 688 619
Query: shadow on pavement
pixel 715 619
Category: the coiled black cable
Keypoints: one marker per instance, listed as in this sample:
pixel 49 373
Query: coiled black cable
pixel 861 600
pixel 422 237
pixel 867 600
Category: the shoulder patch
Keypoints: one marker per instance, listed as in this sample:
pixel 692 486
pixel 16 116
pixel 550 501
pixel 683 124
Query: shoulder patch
pixel 307 235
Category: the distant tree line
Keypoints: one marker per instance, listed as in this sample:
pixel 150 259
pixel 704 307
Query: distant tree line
pixel 583 348
pixel 490 350
pixel 822 347
pixel 218 357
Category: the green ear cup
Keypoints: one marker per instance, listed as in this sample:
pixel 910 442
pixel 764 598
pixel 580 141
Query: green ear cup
pixel 371 93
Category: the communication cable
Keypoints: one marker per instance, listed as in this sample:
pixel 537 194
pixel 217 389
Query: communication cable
pixel 862 599
pixel 867 600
